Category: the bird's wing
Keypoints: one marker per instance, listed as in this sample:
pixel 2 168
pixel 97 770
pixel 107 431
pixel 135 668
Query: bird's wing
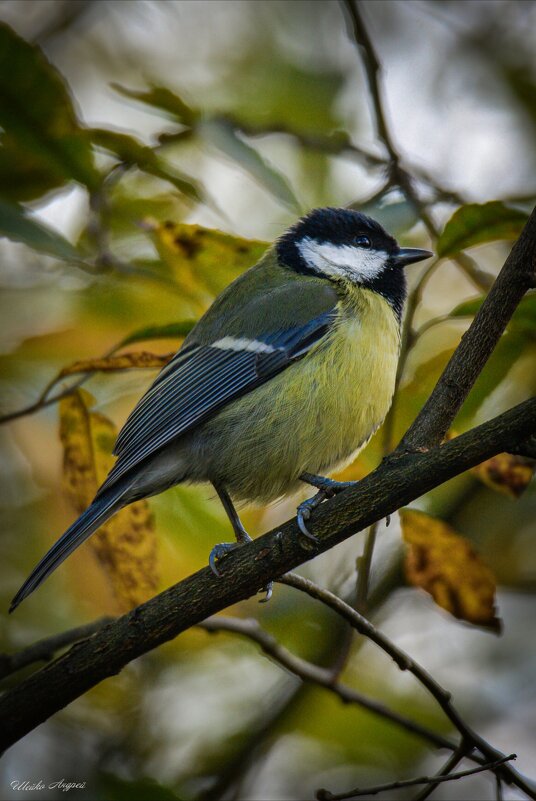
pixel 202 378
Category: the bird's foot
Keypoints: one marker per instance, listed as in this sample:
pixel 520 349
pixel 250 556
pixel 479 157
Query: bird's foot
pixel 222 549
pixel 305 510
pixel 327 485
pixel 327 488
pixel 219 552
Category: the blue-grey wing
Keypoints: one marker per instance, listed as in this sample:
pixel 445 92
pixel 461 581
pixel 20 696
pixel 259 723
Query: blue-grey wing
pixel 201 379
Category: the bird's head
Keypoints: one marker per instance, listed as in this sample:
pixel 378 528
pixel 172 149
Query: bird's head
pixel 343 245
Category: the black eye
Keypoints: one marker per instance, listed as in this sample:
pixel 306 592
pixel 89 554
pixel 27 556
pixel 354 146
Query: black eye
pixel 362 241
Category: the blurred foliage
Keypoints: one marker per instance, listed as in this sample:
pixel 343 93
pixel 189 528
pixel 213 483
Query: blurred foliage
pixel 446 566
pixel 474 224
pixel 201 260
pixel 125 545
pixel 18 226
pixel 43 143
pixel 149 152
pixel 506 473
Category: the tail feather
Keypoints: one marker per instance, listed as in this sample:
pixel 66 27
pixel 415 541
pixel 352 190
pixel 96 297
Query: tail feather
pixel 89 521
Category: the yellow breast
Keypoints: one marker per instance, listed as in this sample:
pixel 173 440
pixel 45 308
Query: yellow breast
pixel 360 366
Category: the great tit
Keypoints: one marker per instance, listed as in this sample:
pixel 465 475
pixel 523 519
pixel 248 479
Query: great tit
pixel 285 378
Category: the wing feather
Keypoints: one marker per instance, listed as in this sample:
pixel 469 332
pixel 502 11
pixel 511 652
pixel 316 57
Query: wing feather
pixel 199 381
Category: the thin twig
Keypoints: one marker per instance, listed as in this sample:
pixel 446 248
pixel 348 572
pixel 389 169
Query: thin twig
pixel 323 677
pixel 235 768
pixel 325 795
pixel 44 400
pixel 399 174
pixel 408 339
pixel 403 661
pixel 44 650
pixel 442 318
pixel 452 762
pixel 364 566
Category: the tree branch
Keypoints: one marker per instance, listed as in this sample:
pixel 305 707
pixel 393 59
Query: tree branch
pixel 44 650
pixel 470 738
pixel 325 795
pixel 235 768
pixel 476 345
pixel 322 677
pixel 452 762
pixel 395 483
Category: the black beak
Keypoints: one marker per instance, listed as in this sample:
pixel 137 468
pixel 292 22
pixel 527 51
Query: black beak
pixel 407 256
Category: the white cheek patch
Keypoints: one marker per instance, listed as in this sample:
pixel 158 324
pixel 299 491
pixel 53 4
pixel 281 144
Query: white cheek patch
pixel 243 343
pixel 344 261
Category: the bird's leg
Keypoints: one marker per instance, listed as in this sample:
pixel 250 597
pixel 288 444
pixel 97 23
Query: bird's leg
pixel 242 537
pixel 326 487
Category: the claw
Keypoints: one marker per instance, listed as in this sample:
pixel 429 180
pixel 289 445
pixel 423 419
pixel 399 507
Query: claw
pixel 304 530
pixel 269 589
pixel 327 488
pixel 219 552
pixel 305 510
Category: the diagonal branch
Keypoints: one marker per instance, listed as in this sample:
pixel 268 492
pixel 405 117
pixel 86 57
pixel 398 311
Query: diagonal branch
pixel 322 677
pixel 477 344
pixel 395 483
pixel 44 650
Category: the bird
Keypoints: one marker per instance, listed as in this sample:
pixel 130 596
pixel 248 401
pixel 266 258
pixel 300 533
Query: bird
pixel 282 381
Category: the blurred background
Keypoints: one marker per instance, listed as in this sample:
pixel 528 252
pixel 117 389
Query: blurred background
pixel 254 112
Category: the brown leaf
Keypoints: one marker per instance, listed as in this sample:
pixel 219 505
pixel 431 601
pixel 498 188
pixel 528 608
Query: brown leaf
pixel 506 473
pixel 445 565
pixel 126 361
pixel 126 544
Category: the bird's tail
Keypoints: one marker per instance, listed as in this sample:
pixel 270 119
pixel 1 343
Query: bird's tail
pixel 103 507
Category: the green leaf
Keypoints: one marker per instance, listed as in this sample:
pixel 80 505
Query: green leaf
pixel 221 134
pixel 202 260
pixel 169 331
pixel 15 224
pixel 163 99
pixel 42 146
pixel 130 150
pixel 475 223
pixel 509 348
pixel 523 320
pixel 521 331
pixel 468 308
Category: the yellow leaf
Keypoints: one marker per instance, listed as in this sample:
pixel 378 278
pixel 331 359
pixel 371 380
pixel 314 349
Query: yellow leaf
pixel 506 473
pixel 203 261
pixel 126 544
pixel 445 565
pixel 126 361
